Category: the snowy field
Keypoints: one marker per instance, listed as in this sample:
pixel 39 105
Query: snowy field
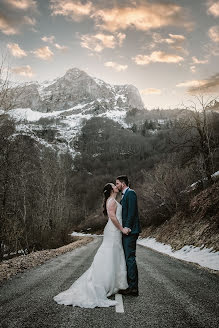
pixel 206 257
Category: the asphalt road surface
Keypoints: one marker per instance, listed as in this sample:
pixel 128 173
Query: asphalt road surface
pixel 173 293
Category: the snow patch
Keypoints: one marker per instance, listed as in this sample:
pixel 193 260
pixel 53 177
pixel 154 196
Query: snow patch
pixel 80 234
pixel 206 257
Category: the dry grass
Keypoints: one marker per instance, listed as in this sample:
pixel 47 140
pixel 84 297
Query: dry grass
pixel 11 267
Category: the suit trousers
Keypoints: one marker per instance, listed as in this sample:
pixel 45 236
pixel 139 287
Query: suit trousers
pixel 129 245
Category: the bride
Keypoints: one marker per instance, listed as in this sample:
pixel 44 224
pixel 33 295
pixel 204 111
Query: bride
pixel 107 273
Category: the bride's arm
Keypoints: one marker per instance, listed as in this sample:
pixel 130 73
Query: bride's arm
pixel 111 210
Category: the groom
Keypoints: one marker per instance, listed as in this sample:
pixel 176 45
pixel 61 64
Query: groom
pixel 130 221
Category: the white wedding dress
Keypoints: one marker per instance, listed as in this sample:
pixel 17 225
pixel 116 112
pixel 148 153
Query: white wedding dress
pixel 106 275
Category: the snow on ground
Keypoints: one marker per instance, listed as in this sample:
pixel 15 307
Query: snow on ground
pixel 206 257
pixel 68 123
pixel 117 115
pixel 80 234
pixel 203 256
pixel 215 175
pixel 31 115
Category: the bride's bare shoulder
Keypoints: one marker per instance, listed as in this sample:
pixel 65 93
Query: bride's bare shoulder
pixel 111 203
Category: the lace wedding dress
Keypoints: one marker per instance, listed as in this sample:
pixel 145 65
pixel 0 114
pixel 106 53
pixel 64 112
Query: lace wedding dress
pixel 106 275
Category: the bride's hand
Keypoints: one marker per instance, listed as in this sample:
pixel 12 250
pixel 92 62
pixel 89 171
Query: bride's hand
pixel 126 231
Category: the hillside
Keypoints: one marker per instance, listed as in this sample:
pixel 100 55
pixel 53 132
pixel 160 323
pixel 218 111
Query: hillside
pixel 197 225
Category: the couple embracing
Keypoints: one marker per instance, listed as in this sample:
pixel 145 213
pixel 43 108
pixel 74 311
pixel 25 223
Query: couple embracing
pixel 114 269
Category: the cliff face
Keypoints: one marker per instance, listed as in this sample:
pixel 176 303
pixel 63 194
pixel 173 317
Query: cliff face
pixel 74 88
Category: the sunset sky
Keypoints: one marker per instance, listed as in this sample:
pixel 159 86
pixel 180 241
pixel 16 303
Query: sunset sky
pixel 165 48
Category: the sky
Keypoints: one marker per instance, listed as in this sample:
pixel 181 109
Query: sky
pixel 168 49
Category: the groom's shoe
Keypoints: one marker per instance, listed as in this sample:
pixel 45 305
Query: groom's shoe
pixel 129 291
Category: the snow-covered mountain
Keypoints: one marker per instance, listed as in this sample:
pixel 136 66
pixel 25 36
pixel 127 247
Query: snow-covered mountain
pixel 74 88
pixel 64 104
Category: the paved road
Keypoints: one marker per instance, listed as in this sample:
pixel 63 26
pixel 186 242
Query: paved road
pixel 173 293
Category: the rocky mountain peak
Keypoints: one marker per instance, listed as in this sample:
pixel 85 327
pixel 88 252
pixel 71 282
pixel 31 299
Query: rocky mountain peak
pixel 75 88
pixel 74 73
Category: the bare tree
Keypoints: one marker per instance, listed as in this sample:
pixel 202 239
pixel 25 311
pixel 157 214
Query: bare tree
pixel 196 131
pixel 9 91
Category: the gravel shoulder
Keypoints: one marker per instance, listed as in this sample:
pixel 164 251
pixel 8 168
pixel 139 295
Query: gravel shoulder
pixel 9 268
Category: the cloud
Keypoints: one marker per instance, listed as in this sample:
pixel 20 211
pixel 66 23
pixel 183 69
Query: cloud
pixel 13 18
pixel 174 38
pixel 209 85
pixel 213 33
pixel 192 83
pixel 62 48
pixel 212 49
pixel 197 61
pixel 151 91
pixel 193 69
pixel 213 8
pixel 76 10
pixel 10 25
pixel 23 71
pixel 29 20
pixel 6 26
pixel 157 56
pixel 15 50
pixel 121 37
pixel 142 17
pixel 100 41
pixel 49 39
pixel 116 66
pixel 22 4
pixel 44 53
pixel 175 41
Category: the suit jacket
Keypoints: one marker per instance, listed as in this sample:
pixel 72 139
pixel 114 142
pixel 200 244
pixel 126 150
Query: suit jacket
pixel 130 218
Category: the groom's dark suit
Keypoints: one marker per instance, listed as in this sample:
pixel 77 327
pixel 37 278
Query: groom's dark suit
pixel 130 219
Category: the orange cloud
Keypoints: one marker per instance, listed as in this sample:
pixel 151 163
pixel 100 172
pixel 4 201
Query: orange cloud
pixel 49 39
pixel 7 27
pixel 213 33
pixel 193 69
pixel 44 53
pixel 175 41
pixel 100 41
pixel 209 85
pixel 23 71
pixel 15 50
pixel 192 83
pixel 144 17
pixel 197 61
pixel 12 26
pixel 62 48
pixel 116 66
pixel 151 91
pixel 157 56
pixel 22 4
pixel 213 8
pixel 76 10
pixel 174 38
